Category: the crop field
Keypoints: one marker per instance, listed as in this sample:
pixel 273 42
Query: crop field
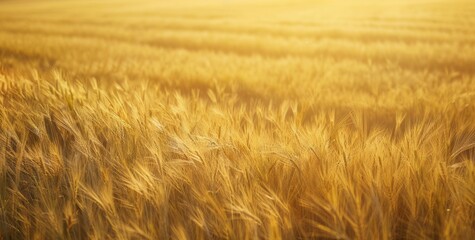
pixel 237 119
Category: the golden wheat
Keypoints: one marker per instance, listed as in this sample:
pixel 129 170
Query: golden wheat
pixel 237 119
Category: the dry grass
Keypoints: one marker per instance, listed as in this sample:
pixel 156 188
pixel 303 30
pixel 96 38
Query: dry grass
pixel 237 120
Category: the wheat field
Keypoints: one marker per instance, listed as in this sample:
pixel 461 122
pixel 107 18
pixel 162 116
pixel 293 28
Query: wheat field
pixel 237 119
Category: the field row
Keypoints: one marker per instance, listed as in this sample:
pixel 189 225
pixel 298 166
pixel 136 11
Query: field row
pixel 450 56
